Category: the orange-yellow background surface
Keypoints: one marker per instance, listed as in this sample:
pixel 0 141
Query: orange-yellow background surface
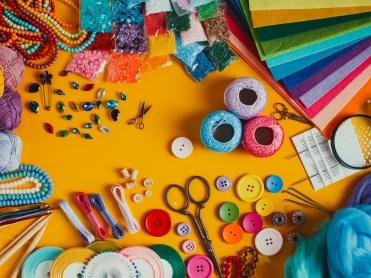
pixel 178 107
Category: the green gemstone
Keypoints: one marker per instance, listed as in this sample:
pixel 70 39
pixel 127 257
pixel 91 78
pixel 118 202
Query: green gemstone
pixel 63 133
pixel 96 119
pixel 122 96
pixel 34 106
pixel 61 107
pixel 99 104
pixel 88 136
pixel 68 117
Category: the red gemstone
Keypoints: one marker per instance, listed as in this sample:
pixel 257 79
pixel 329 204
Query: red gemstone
pixel 49 128
pixel 88 87
pixel 64 73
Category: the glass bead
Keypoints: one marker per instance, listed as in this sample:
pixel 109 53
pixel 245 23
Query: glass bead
pixel 75 85
pixel 59 92
pixel 68 117
pixel 88 136
pixel 115 114
pixel 62 133
pixel 60 107
pixel 34 106
pixel 75 130
pixel 122 96
pixel 112 104
pixel 96 119
pixel 34 88
pixel 49 128
pixel 88 106
pixel 88 126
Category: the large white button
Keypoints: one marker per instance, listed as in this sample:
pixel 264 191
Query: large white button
pixel 269 242
pixel 182 147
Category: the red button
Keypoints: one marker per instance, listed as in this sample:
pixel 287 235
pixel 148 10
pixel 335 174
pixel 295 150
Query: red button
pixel 158 222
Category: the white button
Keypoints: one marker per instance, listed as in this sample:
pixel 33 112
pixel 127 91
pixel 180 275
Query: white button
pixel 182 147
pixel 138 198
pixel 269 242
pixel 148 193
pixel 183 229
pixel 148 183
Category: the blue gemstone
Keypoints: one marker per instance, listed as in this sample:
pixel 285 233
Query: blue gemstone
pixel 88 136
pixel 112 104
pixel 88 125
pixel 87 106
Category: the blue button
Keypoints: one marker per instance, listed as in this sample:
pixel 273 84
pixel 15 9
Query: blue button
pixel 274 184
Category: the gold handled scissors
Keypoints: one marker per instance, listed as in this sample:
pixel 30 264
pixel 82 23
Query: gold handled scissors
pixel 196 218
pixel 281 112
pixel 139 119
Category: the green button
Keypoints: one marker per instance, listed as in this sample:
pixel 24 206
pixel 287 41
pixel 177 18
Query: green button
pixel 229 212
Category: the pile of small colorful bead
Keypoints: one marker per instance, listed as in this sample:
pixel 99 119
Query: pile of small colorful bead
pixel 34 29
pixel 12 195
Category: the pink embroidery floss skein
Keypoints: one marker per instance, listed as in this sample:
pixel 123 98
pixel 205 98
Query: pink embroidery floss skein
pixel 12 65
pixel 262 136
pixel 10 110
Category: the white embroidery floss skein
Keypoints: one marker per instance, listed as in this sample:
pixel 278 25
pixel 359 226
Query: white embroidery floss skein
pixel 245 97
pixel 10 151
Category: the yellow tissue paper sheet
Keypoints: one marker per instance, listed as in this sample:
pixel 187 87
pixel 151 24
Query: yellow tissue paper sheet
pixel 1 82
pixel 305 4
pixel 262 18
pixel 161 45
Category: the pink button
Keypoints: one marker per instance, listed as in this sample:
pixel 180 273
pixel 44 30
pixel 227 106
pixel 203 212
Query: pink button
pixel 189 246
pixel 252 222
pixel 199 266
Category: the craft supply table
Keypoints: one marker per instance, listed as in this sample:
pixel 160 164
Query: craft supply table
pixel 178 107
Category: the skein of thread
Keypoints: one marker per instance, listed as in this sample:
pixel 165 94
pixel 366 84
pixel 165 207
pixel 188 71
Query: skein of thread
pixel 221 124
pixel 341 248
pixel 10 151
pixel 362 193
pixel 245 97
pixel 268 125
pixel 10 110
pixel 13 67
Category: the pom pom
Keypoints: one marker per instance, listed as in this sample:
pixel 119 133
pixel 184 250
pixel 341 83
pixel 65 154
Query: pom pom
pixel 263 136
pixel 10 110
pixel 12 66
pixel 221 131
pixel 10 151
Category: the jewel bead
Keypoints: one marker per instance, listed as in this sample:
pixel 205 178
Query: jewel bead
pixel 101 93
pixel 115 114
pixel 62 133
pixel 88 87
pixel 75 85
pixel 34 88
pixel 68 117
pixel 75 131
pixel 88 106
pixel 88 136
pixel 99 104
pixel 105 130
pixel 74 106
pixel 34 106
pixel 60 107
pixel 59 92
pixel 96 119
pixel 88 126
pixel 112 104
pixel 122 96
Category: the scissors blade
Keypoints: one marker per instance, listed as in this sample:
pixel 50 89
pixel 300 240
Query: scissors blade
pixel 147 109
pixel 211 254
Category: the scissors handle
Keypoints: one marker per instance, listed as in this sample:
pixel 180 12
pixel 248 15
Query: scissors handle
pixel 297 118
pixel 132 121
pixel 201 203
pixel 140 123
pixel 182 210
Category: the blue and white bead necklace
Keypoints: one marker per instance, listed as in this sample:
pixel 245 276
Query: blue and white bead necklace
pixel 12 195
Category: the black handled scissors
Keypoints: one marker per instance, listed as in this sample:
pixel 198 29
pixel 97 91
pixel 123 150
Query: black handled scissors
pixel 196 218
pixel 139 119
pixel 281 112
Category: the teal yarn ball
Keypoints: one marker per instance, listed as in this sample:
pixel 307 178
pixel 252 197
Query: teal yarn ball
pixel 221 131
pixel 341 248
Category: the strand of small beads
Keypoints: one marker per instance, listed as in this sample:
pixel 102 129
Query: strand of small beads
pixel 12 195
pixel 33 29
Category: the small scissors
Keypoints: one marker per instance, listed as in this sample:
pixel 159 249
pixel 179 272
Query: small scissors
pixel 196 218
pixel 282 112
pixel 139 119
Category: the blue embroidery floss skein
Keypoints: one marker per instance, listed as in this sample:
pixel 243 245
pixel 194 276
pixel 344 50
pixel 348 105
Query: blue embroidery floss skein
pixel 221 131
pixel 10 151
pixel 245 97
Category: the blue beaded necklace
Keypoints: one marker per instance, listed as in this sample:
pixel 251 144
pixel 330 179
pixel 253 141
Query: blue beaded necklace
pixel 12 195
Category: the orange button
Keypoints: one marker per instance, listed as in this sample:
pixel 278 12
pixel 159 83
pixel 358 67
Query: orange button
pixel 232 233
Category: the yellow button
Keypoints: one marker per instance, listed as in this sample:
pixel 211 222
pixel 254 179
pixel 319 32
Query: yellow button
pixel 250 188
pixel 264 207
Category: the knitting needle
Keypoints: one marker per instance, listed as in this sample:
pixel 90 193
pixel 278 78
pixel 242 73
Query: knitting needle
pixel 30 248
pixel 21 239
pixel 305 200
pixel 310 200
pixel 307 206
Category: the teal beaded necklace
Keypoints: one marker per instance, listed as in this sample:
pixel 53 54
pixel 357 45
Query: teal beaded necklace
pixel 12 195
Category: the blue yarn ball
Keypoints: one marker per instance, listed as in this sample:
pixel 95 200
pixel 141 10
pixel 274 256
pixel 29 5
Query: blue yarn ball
pixel 212 125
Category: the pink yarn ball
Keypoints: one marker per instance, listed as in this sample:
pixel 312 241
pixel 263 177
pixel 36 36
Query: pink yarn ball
pixel 10 110
pixel 13 67
pixel 262 136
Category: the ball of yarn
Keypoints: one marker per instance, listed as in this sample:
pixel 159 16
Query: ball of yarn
pixel 362 193
pixel 262 136
pixel 245 97
pixel 10 110
pixel 221 131
pixel 10 151
pixel 13 67
pixel 1 82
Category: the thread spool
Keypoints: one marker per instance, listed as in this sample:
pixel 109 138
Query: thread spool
pixel 125 173
pixel 263 136
pixel 221 131
pixel 245 97
pixel 10 110
pixel 10 151
pixel 12 65
pixel 134 174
